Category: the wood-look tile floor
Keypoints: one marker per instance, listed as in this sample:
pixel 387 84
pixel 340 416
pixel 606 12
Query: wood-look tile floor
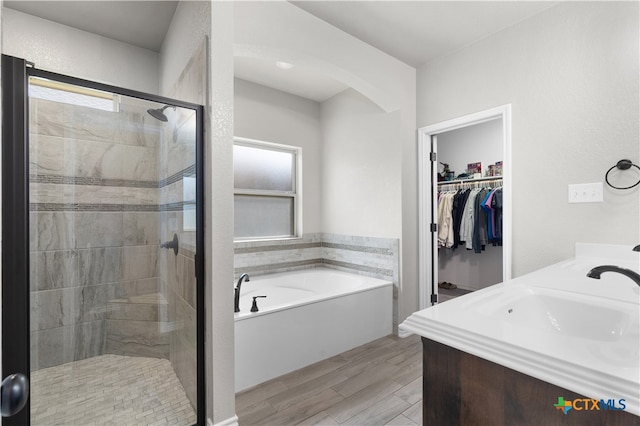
pixel 379 383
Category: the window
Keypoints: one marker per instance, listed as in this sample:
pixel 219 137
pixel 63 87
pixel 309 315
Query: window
pixel 189 206
pixel 266 190
pixel 71 94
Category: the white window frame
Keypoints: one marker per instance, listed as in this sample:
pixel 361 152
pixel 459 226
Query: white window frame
pixel 295 194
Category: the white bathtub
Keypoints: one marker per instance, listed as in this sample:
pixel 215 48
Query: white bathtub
pixel 307 316
pixel 554 324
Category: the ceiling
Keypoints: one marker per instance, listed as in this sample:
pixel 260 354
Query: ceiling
pixel 141 23
pixel 418 31
pixel 304 82
pixel 414 32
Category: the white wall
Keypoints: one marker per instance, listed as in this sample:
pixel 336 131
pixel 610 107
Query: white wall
pixel 351 169
pixel 66 50
pixel 190 24
pixel 270 115
pixel 470 270
pixel 571 74
pixel 478 143
pixel 219 218
pixel 361 188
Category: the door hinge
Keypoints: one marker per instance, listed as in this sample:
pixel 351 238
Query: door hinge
pixel 434 227
pixel 432 156
pixel 434 299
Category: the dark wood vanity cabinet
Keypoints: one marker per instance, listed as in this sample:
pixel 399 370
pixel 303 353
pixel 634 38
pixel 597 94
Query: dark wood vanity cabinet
pixel 462 389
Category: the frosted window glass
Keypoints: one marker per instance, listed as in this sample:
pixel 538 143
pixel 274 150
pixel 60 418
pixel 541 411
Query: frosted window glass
pixel 66 97
pixel 188 188
pixel 264 169
pixel 189 217
pixel 258 216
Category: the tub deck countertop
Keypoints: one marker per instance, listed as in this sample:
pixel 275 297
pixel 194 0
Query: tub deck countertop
pixel 554 324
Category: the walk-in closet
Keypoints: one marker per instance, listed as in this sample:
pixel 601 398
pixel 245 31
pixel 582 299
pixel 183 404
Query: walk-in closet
pixel 469 208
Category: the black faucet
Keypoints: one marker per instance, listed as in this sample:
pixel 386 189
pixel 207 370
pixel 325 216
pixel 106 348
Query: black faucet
pixel 254 306
pixel 236 294
pixel 636 248
pixel 598 270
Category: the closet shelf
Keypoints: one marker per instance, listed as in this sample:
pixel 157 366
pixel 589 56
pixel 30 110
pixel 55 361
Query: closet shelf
pixel 451 182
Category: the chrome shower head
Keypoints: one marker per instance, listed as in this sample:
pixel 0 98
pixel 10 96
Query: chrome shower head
pixel 158 114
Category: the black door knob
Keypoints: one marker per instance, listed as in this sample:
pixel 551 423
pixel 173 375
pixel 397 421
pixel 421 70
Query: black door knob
pixel 14 394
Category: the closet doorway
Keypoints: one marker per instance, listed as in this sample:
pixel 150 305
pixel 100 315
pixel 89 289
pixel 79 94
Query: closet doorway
pixel 463 160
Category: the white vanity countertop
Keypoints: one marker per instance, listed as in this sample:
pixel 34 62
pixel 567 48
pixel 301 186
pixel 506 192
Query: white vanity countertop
pixel 554 324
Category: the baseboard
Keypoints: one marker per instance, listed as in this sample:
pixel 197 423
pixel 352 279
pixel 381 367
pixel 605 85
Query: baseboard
pixel 231 421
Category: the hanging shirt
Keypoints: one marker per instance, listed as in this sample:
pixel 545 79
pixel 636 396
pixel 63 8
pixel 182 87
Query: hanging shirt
pixel 445 220
pixel 486 205
pixel 496 203
pixel 459 203
pixel 480 237
pixel 466 226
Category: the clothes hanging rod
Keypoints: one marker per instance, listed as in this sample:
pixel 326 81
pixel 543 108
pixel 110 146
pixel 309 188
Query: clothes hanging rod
pixel 484 179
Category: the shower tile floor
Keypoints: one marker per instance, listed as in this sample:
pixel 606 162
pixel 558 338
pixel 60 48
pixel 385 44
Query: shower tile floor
pixel 110 390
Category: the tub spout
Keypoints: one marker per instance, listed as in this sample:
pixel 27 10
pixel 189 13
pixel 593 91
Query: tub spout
pixel 236 294
pixel 598 270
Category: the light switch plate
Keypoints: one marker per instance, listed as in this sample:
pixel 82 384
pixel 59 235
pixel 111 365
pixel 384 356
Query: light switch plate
pixel 586 193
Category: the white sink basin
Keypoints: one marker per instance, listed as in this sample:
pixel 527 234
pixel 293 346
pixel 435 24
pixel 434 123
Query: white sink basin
pixel 577 316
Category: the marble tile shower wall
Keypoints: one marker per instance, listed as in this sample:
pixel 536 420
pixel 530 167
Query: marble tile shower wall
pixel 369 256
pixel 94 224
pixel 177 273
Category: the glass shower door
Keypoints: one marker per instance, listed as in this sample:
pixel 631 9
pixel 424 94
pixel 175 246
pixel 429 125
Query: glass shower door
pixel 113 235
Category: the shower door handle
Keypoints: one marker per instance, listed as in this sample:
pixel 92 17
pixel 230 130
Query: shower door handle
pixel 14 394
